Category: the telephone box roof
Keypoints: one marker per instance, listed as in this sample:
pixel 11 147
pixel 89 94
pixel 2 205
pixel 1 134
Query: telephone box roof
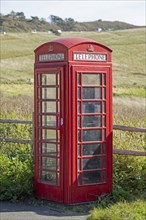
pixel 70 42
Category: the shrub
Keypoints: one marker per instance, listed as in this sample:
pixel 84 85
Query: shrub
pixel 129 176
pixel 121 211
pixel 16 165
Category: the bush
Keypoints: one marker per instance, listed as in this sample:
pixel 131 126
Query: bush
pixel 121 211
pixel 129 176
pixel 16 165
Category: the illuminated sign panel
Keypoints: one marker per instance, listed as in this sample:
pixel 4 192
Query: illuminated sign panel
pixel 51 57
pixel 90 56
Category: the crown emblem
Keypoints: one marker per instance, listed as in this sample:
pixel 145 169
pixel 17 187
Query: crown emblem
pixel 50 48
pixel 90 48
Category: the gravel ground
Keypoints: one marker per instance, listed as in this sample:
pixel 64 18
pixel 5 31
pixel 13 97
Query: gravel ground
pixel 18 211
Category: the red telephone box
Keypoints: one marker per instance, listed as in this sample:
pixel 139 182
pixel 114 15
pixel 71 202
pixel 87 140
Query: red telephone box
pixel 73 120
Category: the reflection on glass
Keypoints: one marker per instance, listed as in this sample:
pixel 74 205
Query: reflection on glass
pixel 49 135
pixel 48 107
pixel 79 150
pixel 49 163
pixel 91 79
pixel 104 120
pixel 91 121
pixel 79 136
pixel 79 107
pixel 92 149
pixel 79 166
pixel 49 149
pixel 103 79
pixel 49 177
pixel 91 93
pixel 104 107
pixel 91 107
pixel 104 93
pixel 91 163
pixel 79 93
pixel 90 177
pixel 48 93
pixel 49 121
pixel 92 135
pixel 79 123
pixel 104 135
pixel 49 79
pixel 79 79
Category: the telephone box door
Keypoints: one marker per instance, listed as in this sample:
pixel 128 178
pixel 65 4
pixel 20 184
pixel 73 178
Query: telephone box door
pixel 48 151
pixel 92 140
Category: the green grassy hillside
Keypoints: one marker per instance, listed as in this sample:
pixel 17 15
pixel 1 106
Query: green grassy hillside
pixel 17 57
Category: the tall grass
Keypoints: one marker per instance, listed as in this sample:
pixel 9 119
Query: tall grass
pixel 128 54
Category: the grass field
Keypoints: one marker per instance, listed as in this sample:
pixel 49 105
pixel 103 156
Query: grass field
pixel 17 61
pixel 17 56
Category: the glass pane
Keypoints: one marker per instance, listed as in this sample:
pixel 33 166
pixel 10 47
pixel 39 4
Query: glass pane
pixel 49 177
pixel 91 107
pixel 48 93
pixel 104 107
pixel 104 120
pixel 48 79
pixel 48 107
pixel 48 148
pixel 49 121
pixel 79 107
pixel 79 123
pixel 49 135
pixel 91 177
pixel 92 149
pixel 79 148
pixel 79 166
pixel 58 164
pixel 92 135
pixel 79 136
pixel 104 93
pixel 103 79
pixel 91 79
pixel 79 93
pixel 49 163
pixel 91 163
pixel 79 79
pixel 91 93
pixel 91 121
pixel 104 135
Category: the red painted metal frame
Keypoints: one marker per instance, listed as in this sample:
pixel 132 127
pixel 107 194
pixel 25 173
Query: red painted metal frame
pixel 69 191
pixel 48 191
pixel 90 192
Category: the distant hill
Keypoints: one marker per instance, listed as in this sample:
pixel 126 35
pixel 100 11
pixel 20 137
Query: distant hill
pixel 17 22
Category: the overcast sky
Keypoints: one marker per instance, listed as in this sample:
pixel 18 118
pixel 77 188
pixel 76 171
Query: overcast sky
pixel 130 11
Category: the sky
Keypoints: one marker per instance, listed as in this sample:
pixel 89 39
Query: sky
pixel 129 11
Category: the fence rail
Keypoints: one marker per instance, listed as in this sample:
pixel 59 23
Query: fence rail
pixel 127 128
pixel 115 127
